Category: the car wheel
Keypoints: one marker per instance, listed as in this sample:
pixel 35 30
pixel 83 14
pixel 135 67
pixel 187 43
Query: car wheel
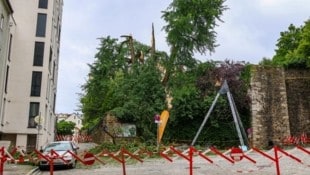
pixel 73 165
pixel 41 168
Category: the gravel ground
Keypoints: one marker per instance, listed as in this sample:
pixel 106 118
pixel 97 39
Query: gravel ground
pixel 220 166
pixel 180 166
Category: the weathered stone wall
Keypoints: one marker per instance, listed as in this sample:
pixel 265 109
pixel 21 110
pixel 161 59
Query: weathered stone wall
pixel 298 100
pixel 280 104
pixel 270 120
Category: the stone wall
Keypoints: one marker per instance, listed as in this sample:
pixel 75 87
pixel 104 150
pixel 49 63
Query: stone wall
pixel 280 104
pixel 270 120
pixel 298 100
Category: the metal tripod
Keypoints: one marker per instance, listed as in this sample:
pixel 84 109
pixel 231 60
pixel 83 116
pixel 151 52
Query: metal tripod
pixel 225 90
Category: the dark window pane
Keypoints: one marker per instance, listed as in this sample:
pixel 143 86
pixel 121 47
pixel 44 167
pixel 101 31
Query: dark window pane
pixel 10 47
pixel 41 25
pixel 38 54
pixel 6 79
pixel 50 59
pixel 43 4
pixel 33 112
pixel 36 84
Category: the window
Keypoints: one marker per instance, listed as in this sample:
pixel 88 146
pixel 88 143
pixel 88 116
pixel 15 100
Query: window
pixel 43 4
pixel 33 112
pixel 54 102
pixel 36 83
pixel 38 54
pixel 10 47
pixel 1 22
pixel 41 25
pixel 54 71
pixel 6 79
pixel 50 59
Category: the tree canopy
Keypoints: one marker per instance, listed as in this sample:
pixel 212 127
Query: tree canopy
pixel 131 91
pixel 65 127
pixel 293 47
pixel 190 28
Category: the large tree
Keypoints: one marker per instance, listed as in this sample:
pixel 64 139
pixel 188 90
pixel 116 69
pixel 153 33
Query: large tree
pixel 124 81
pixel 134 90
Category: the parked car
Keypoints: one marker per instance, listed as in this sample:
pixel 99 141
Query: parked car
pixel 61 148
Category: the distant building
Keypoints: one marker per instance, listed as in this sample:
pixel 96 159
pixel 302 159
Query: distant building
pixel 74 117
pixel 30 41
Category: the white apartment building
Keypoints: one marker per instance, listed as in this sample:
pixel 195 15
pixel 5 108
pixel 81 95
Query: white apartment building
pixel 28 101
pixel 5 18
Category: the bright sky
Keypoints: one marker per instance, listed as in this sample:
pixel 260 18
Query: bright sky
pixel 249 33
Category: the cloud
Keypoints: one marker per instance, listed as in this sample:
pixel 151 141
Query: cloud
pixel 251 28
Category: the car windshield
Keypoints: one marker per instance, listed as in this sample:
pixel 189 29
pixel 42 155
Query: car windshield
pixel 58 146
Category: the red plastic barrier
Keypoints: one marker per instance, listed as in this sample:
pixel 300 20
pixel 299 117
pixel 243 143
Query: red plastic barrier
pixel 3 159
pixel 122 160
pixel 276 159
pixel 50 158
pixel 221 154
pixel 165 156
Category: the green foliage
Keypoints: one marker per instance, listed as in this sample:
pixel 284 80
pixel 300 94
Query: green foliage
pixel 130 91
pixel 129 145
pixel 293 47
pixel 65 127
pixel 140 96
pixel 190 26
pixel 266 61
pixel 193 93
pixel 96 99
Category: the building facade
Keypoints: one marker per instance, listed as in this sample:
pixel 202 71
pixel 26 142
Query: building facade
pixel 28 104
pixel 6 12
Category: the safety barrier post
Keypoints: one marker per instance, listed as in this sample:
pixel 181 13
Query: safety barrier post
pixel 189 157
pixel 276 159
pixel 47 159
pixel 191 152
pixel 51 158
pixel 2 160
pixel 122 160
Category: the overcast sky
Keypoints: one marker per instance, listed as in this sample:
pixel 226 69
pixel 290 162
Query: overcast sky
pixel 249 33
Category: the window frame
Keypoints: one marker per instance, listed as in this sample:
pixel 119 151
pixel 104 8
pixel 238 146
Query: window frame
pixel 43 4
pixel 36 83
pixel 34 108
pixel 38 55
pixel 41 25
